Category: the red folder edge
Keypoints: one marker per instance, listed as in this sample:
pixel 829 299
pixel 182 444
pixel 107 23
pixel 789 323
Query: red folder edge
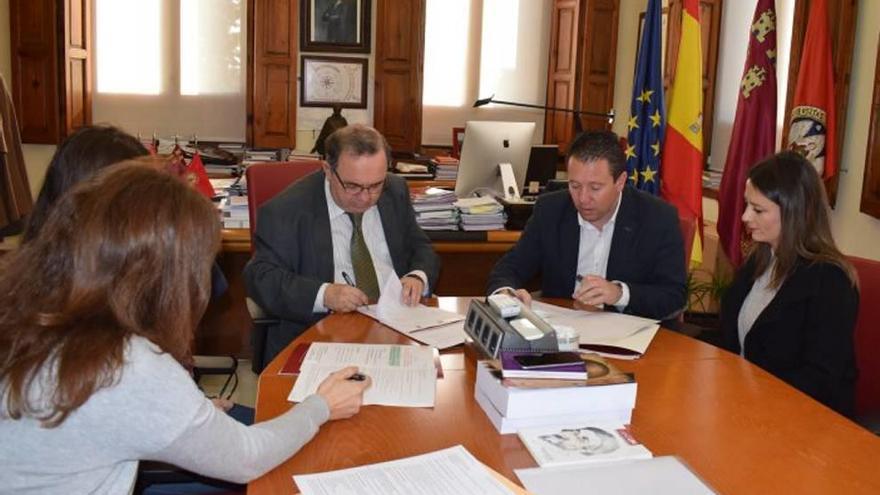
pixel 295 360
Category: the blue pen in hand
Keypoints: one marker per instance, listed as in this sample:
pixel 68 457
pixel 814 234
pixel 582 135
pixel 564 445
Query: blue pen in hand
pixel 348 279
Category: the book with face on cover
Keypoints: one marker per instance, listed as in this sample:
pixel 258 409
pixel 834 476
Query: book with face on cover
pixel 582 443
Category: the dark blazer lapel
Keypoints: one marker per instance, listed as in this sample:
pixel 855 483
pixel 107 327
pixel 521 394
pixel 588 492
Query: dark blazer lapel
pixel 794 288
pixel 569 243
pixel 322 238
pixel 625 226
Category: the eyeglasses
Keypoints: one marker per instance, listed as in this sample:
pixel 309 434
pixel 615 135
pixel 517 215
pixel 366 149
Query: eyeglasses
pixel 355 189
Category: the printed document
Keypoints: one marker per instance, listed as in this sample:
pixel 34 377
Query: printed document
pixel 452 471
pixel 601 327
pixel 659 476
pixel 402 375
pixel 435 326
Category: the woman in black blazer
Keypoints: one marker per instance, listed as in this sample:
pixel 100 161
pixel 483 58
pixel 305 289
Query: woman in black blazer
pixel 792 306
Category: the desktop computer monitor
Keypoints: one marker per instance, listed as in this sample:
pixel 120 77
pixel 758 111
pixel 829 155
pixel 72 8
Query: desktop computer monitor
pixel 488 144
pixel 543 162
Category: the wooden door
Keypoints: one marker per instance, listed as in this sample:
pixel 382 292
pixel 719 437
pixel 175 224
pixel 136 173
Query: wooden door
pixel 272 94
pixel 35 83
pixel 400 47
pixel 77 65
pixel 580 73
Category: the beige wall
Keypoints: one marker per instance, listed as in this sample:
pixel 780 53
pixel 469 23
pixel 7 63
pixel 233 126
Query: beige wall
pixel 856 233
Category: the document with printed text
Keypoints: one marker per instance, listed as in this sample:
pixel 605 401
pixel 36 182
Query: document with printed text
pixel 402 375
pixel 452 471
pixel 432 326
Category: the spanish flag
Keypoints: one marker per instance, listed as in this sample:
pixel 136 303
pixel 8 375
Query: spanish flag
pixel 682 169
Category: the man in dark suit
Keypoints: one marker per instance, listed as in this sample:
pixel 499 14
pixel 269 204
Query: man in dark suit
pixel 601 242
pixel 330 241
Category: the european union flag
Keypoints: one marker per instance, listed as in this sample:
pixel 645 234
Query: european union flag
pixel 647 124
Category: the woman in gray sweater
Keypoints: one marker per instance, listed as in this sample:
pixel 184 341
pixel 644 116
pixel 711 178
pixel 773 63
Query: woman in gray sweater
pixel 96 316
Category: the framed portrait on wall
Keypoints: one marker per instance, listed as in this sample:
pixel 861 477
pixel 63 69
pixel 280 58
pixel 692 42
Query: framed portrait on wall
pixel 331 81
pixel 335 26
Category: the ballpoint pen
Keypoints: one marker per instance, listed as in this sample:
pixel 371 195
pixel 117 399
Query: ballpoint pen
pixel 348 279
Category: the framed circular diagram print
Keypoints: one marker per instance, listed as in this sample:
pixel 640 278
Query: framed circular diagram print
pixel 332 81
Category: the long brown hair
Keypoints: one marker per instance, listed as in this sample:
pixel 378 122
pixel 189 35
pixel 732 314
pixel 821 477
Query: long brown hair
pixel 125 253
pixel 790 181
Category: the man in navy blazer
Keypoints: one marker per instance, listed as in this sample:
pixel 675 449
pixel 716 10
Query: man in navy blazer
pixel 601 243
pixel 303 267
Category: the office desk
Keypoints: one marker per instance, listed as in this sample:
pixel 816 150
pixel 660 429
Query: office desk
pixel 225 327
pixel 739 428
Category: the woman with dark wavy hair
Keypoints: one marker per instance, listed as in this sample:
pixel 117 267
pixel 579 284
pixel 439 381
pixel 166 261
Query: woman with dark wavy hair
pixel 792 306
pixel 85 152
pixel 96 314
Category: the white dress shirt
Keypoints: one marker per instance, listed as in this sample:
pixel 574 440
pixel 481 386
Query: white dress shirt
pixel 594 247
pixel 374 236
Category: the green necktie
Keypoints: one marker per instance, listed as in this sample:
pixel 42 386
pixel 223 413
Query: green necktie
pixel 361 261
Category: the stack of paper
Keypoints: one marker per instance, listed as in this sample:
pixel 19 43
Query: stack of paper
pixel 412 170
pixel 608 396
pixel 431 326
pixel 235 212
pixel 452 471
pixel 445 168
pixel 658 476
pixel 402 375
pixel 483 213
pixel 606 333
pixel 435 209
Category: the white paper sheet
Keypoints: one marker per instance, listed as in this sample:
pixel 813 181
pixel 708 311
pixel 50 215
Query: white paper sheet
pixel 452 471
pixel 658 476
pixel 594 327
pixel 402 375
pixel 391 312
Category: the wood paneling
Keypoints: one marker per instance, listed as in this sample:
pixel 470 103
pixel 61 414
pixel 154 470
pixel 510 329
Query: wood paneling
pixel 77 65
pixel 580 75
pixel 841 23
pixel 400 46
pixel 35 64
pixel 51 67
pixel 272 66
pixel 562 72
pixel 870 203
pixel 710 31
pixel 599 56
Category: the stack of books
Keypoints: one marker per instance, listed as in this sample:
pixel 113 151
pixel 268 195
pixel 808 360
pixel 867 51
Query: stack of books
pixel 483 213
pixel 435 209
pixel 234 211
pixel 607 396
pixel 445 167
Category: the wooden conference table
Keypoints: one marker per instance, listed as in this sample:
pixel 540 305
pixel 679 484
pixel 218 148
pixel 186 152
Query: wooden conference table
pixel 739 428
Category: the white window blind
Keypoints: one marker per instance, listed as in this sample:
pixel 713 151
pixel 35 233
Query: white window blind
pixel 477 48
pixel 171 67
